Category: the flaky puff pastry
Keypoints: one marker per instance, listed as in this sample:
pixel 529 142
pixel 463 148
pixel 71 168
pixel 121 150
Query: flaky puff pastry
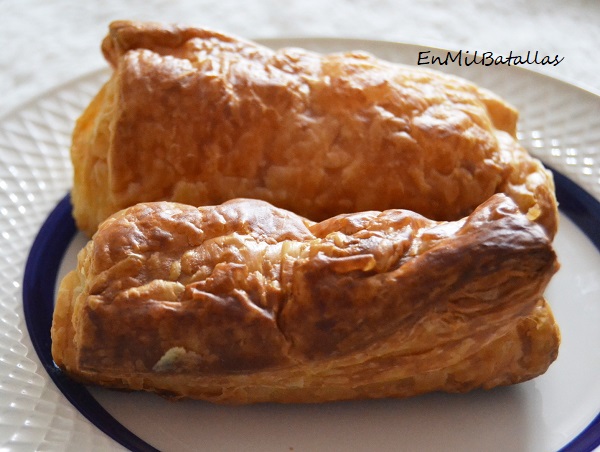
pixel 245 302
pixel 195 116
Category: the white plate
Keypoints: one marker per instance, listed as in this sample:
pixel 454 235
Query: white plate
pixel 559 123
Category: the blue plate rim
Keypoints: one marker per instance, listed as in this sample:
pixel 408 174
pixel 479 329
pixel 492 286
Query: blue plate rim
pixel 39 281
pixel 57 232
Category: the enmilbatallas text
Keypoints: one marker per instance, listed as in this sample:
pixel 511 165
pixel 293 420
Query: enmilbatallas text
pixel 467 58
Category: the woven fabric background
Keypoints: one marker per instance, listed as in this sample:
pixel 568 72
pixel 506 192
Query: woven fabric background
pixel 48 43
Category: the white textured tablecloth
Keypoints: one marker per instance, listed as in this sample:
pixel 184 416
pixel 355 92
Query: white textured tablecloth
pixel 46 43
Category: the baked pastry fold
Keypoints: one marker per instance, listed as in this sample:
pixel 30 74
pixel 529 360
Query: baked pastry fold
pixel 199 117
pixel 365 229
pixel 245 302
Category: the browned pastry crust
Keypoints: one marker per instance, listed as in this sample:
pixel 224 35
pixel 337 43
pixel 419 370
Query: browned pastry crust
pixel 198 117
pixel 245 302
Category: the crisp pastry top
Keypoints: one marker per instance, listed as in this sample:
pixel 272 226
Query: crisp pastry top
pixel 199 117
pixel 396 239
pixel 244 287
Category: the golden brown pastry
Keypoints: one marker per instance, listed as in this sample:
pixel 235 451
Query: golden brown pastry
pixel 245 302
pixel 198 117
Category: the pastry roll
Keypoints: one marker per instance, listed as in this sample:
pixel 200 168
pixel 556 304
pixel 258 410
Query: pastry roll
pixel 198 117
pixel 245 302
pixel 364 229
